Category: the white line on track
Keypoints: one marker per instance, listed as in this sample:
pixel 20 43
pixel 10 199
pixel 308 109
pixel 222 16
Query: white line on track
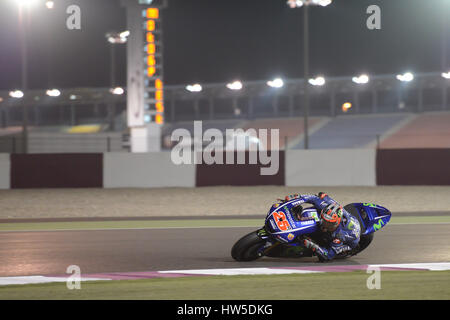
pixel 39 279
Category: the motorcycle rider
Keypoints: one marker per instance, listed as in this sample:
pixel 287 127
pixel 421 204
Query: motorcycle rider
pixel 338 226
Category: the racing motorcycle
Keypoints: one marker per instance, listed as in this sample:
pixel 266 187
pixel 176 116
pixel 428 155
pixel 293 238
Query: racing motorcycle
pixel 288 223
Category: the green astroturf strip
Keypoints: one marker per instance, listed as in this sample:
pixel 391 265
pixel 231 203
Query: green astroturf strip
pixel 347 285
pixel 201 223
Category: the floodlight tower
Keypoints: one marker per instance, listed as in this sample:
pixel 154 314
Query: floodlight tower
pixel 297 4
pixel 145 97
pixel 24 20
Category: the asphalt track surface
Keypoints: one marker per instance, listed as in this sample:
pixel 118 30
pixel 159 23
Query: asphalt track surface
pixel 104 251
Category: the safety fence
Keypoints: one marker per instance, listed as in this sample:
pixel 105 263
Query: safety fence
pixel 116 142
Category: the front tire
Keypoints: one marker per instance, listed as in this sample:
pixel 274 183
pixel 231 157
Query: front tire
pixel 364 242
pixel 247 248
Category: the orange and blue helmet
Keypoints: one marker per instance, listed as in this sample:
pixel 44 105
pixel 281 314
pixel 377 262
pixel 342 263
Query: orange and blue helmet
pixel 331 217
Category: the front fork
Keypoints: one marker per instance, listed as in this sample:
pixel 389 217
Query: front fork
pixel 269 245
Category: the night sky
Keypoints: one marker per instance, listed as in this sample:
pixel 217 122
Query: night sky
pixel 221 40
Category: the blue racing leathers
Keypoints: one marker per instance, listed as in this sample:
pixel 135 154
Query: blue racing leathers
pixel 344 238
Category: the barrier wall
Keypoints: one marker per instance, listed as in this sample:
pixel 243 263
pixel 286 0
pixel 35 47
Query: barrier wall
pixel 242 174
pixel 145 170
pixel 413 167
pixel 69 170
pixel 5 168
pixel 343 167
pixel 352 167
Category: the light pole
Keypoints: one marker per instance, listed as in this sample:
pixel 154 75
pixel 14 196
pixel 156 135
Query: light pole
pixel 306 4
pixel 114 38
pixel 24 19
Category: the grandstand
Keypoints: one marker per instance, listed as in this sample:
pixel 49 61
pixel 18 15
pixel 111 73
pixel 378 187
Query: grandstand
pixel 291 130
pixel 345 132
pixel 405 130
pixel 386 131
pixel 424 131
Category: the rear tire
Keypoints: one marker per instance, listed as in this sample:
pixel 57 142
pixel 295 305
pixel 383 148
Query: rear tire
pixel 246 249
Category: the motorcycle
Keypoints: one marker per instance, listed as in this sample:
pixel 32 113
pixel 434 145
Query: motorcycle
pixel 288 223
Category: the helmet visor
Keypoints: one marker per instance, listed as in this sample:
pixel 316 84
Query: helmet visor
pixel 328 226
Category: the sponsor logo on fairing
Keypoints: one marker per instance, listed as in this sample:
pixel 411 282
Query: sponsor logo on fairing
pixel 377 226
pixel 291 221
pixel 296 203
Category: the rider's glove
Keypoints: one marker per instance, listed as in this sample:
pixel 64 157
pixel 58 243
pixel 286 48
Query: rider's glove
pixel 308 243
pixel 318 251
pixel 322 195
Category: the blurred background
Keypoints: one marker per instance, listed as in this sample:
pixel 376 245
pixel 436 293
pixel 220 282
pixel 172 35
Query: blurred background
pixel 232 64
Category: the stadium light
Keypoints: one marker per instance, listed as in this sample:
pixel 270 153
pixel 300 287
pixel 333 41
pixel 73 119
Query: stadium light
pixel 406 77
pixel 194 87
pixel 295 3
pixel 319 81
pixel 362 79
pixel 236 85
pixel 301 3
pixel 53 93
pixel 16 94
pixel 117 91
pixel 50 4
pixel 322 3
pixel 346 106
pixel 117 37
pixel 446 75
pixel 276 83
pixel 124 34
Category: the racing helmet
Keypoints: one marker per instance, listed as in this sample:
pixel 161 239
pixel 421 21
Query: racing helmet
pixel 331 217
